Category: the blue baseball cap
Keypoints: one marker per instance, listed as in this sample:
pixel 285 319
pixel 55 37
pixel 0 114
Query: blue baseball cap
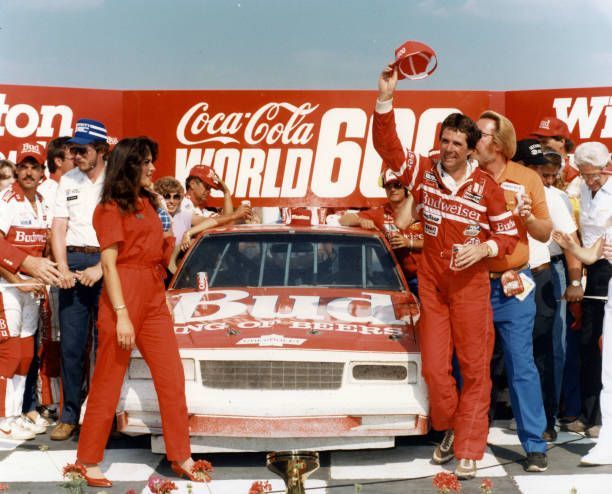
pixel 88 131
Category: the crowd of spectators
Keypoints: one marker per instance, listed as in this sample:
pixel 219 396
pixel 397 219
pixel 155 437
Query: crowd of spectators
pixel 506 302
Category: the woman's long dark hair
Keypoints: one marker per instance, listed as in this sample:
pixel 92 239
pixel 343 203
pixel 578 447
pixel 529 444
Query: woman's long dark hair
pixel 123 171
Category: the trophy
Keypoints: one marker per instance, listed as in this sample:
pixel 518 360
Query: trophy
pixel 293 467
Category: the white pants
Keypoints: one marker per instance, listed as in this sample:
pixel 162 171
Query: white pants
pixel 603 448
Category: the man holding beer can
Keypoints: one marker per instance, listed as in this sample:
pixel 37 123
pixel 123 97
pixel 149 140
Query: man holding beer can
pixel 463 210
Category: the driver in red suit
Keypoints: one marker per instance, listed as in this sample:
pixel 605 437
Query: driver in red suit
pixel 461 208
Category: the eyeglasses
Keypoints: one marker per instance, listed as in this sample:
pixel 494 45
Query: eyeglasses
pixel 82 150
pixel 485 134
pixel 393 185
pixel 175 197
pixel 591 177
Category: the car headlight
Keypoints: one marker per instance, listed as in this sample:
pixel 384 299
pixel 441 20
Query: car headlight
pixel 138 369
pixel 404 372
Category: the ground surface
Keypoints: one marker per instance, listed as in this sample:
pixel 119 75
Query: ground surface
pixel 35 467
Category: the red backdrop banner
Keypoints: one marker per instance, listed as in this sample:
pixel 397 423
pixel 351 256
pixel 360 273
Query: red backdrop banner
pixel 284 147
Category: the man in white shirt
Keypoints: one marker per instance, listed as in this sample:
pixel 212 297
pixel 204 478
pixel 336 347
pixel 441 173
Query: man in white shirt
pixel 595 211
pixel 77 252
pixel 529 153
pixel 23 222
pixel 59 162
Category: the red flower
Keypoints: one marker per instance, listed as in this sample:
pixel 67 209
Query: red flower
pixel 486 487
pixel 260 487
pixel 161 486
pixel 446 482
pixel 201 470
pixel 74 471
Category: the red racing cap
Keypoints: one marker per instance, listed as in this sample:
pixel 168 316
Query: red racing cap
pixel 552 127
pixel 415 60
pixel 207 175
pixel 31 150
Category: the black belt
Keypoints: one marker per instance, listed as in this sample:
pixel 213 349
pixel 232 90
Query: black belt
pixel 541 267
pixel 86 249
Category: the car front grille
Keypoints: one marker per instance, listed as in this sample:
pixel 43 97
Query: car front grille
pixel 265 374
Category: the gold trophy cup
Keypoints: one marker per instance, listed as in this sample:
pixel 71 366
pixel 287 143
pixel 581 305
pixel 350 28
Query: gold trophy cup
pixel 293 467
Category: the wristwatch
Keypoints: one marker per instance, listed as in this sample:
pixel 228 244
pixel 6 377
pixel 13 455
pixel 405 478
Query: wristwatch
pixel 576 283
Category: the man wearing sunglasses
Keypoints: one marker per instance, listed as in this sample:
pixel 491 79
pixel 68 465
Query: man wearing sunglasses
pixel 77 252
pixel 406 242
pixel 464 221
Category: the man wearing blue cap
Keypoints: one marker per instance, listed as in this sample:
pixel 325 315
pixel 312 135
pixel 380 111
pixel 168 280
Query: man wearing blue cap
pixel 77 252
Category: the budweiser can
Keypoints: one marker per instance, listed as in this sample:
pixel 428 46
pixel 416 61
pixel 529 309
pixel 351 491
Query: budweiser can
pixel 202 278
pixel 246 202
pixel 454 251
pixel 390 229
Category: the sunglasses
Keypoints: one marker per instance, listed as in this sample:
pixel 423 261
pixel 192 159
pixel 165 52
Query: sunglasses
pixel 393 185
pixel 82 150
pixel 175 197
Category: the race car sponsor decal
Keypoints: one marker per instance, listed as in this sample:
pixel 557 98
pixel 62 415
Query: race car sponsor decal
pixel 431 230
pixel 271 340
pixel 236 310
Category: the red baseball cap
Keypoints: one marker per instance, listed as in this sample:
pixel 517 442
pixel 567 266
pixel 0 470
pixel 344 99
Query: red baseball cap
pixel 207 175
pixel 551 127
pixel 415 60
pixel 31 150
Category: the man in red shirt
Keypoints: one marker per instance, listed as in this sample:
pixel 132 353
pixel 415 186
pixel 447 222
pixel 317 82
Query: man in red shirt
pixel 407 241
pixel 465 221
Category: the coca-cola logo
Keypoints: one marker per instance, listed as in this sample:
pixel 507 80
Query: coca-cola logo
pixel 272 123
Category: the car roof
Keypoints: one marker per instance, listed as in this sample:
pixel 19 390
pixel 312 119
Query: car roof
pixel 281 228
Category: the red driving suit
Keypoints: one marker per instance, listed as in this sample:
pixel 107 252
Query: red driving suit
pixel 142 249
pixel 11 257
pixel 382 216
pixel 457 313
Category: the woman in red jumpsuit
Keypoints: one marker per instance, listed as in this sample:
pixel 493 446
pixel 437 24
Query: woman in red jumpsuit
pixel 133 310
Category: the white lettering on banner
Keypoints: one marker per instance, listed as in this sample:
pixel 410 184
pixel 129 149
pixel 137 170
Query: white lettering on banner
pixel 186 311
pixel 259 127
pixel 23 120
pixel 343 161
pixel 577 113
pixel 342 156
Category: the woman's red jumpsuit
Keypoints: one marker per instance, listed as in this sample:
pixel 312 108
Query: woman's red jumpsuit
pixel 141 250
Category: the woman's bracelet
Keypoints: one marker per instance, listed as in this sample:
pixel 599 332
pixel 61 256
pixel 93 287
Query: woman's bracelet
pixel 117 308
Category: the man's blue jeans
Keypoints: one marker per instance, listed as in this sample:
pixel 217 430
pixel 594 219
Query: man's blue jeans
pixel 560 324
pixel 513 322
pixel 78 310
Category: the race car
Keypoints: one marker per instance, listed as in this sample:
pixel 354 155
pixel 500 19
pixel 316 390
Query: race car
pixel 290 338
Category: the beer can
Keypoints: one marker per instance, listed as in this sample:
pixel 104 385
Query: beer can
pixel 202 278
pixel 454 251
pixel 390 229
pixel 246 202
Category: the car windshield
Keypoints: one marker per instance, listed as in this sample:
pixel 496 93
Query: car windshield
pixel 274 259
